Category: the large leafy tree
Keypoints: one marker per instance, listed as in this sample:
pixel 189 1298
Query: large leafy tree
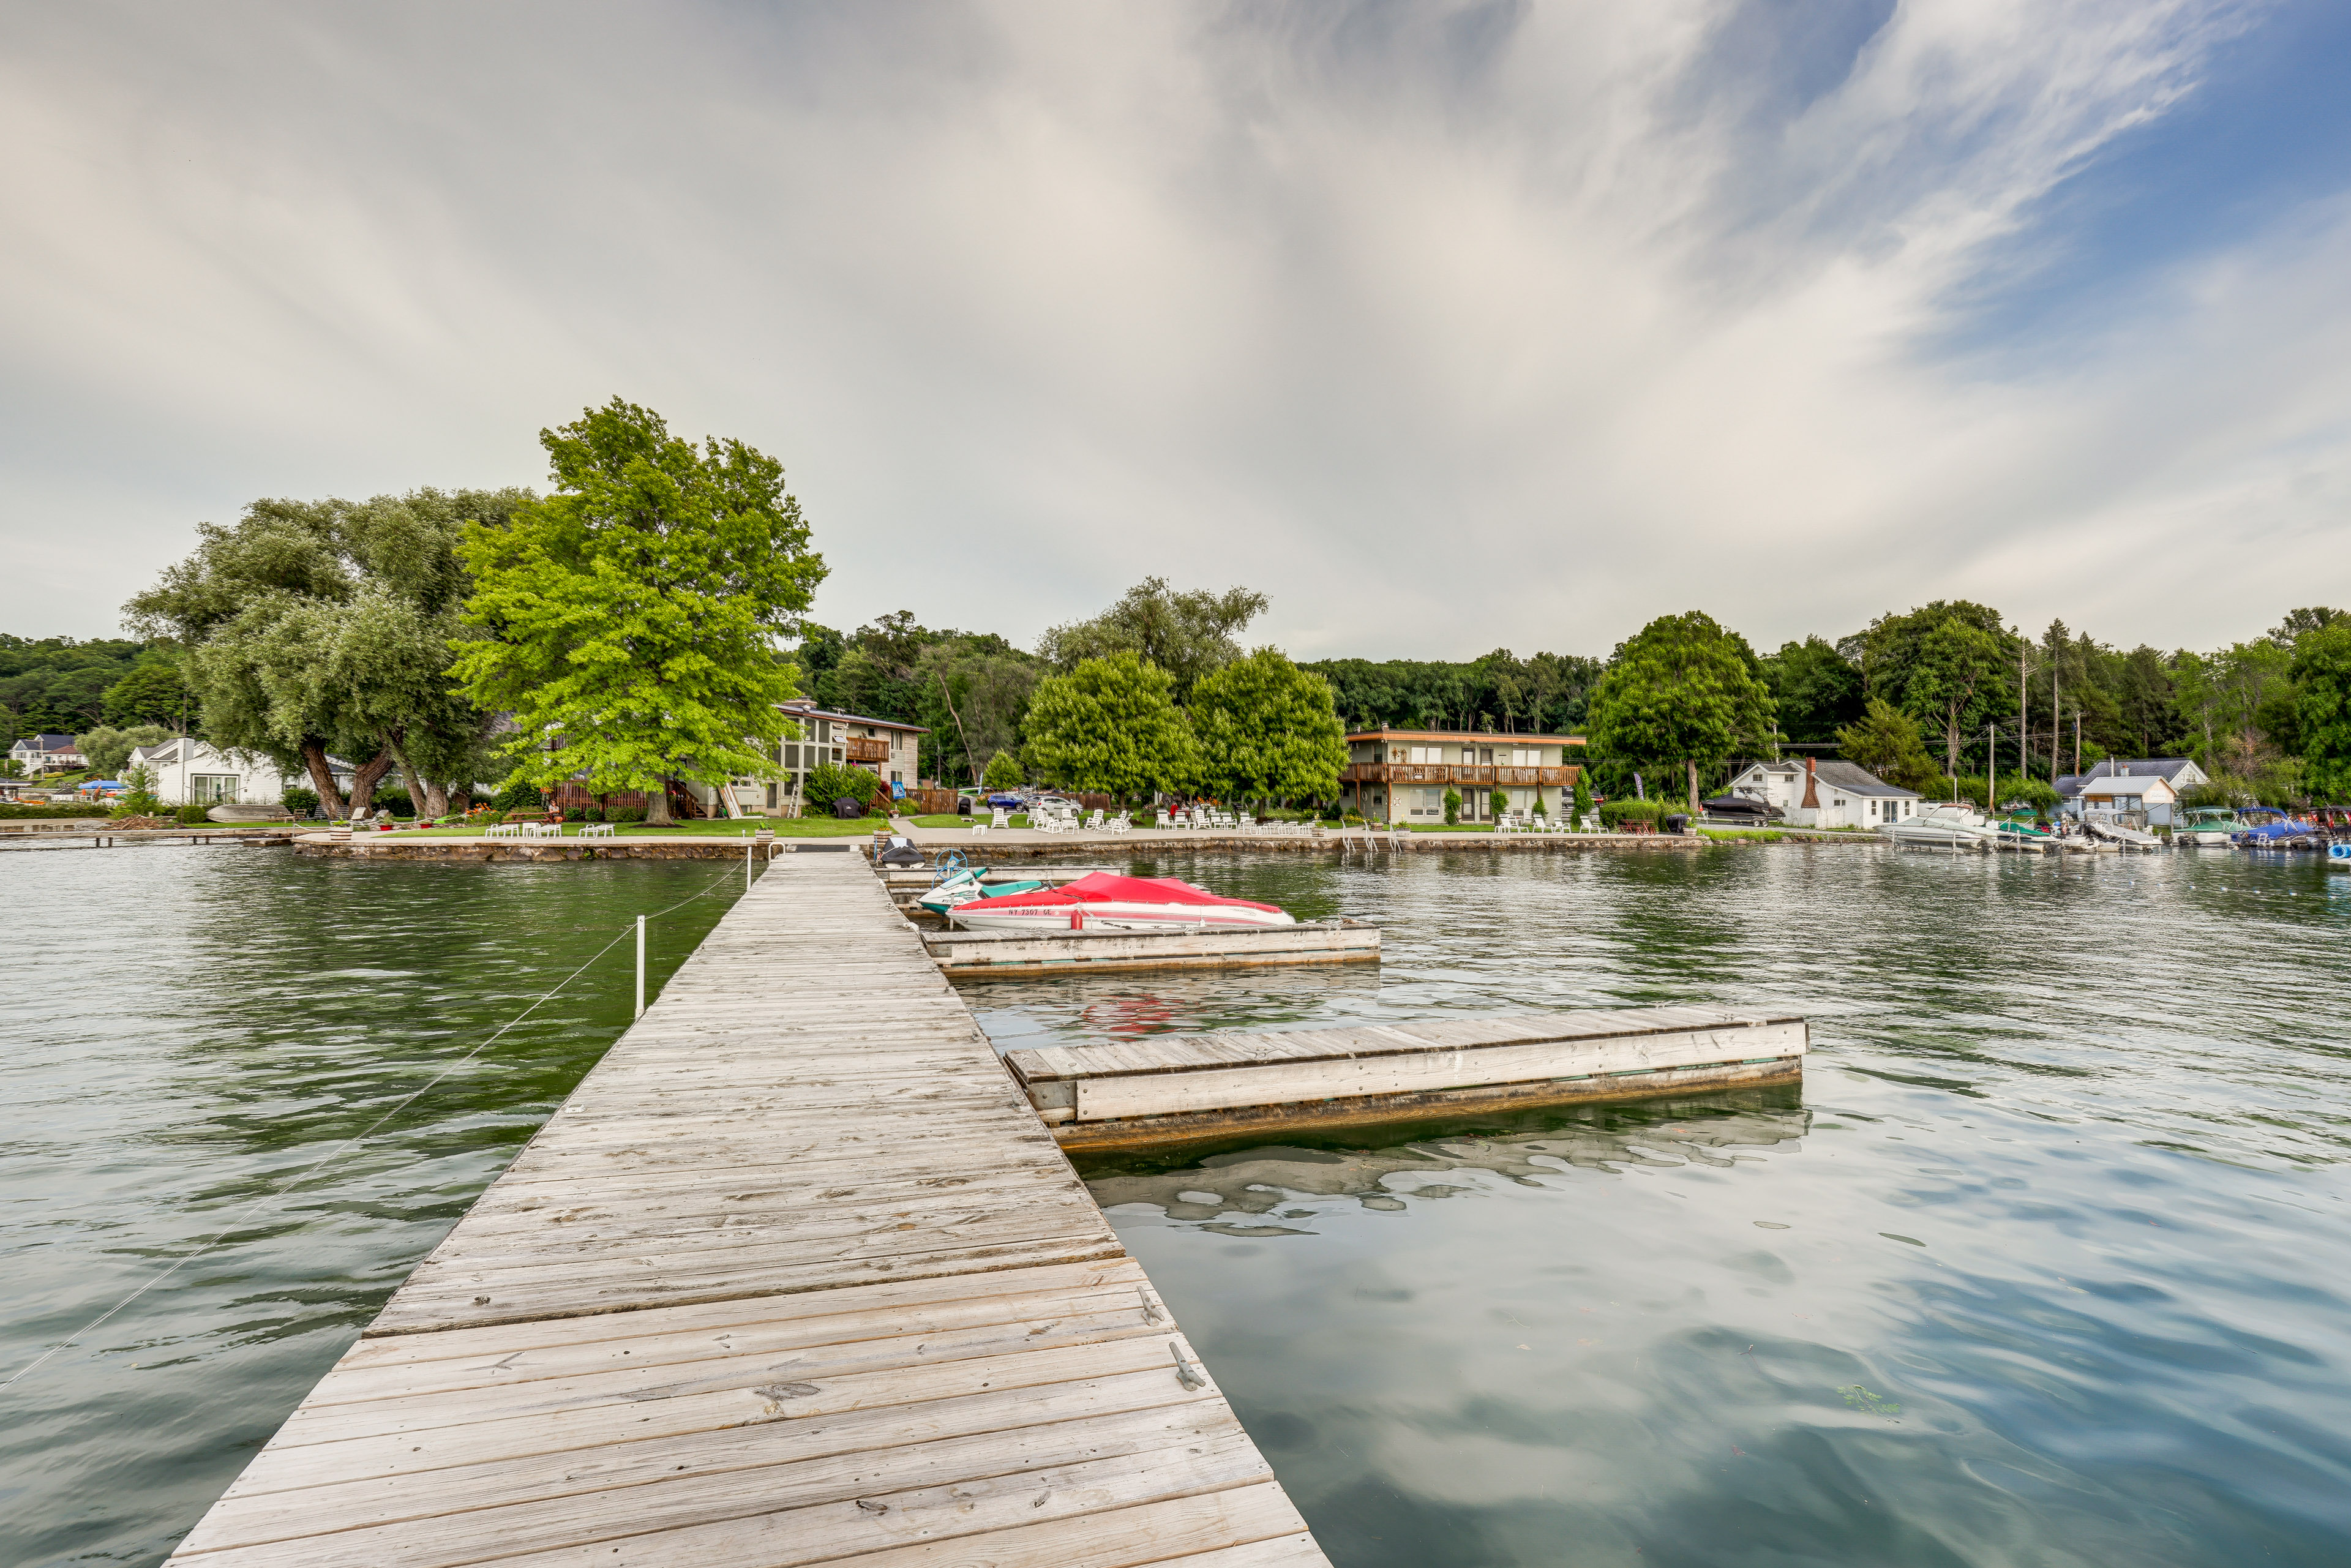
pixel 1186 635
pixel 1683 692
pixel 312 627
pixel 1887 741
pixel 1950 664
pixel 1815 689
pixel 628 621
pixel 1268 731
pixel 1110 726
pixel 2322 677
pixel 152 693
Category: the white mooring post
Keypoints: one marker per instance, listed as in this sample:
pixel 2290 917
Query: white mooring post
pixel 641 967
pixel 746 864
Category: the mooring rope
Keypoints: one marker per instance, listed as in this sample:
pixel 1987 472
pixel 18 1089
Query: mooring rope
pixel 298 1178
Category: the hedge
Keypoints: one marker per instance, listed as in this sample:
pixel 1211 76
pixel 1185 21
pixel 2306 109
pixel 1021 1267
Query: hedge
pixel 23 812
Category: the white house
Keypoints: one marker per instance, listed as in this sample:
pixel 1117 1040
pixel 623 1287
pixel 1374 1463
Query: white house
pixel 2146 798
pixel 2179 774
pixel 39 754
pixel 1813 794
pixel 885 747
pixel 191 772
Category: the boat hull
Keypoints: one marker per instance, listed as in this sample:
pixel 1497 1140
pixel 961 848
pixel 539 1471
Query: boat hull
pixel 1114 916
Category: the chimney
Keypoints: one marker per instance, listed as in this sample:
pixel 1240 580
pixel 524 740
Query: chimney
pixel 1811 786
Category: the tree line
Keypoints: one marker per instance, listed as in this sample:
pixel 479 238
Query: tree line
pixel 641 621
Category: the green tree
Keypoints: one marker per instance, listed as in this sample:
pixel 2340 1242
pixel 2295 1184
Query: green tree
pixel 311 627
pixel 2322 677
pixel 1954 680
pixel 1885 740
pixel 1112 725
pixel 1682 692
pixel 1815 690
pixel 975 692
pixel 1268 731
pixel 152 693
pixel 108 749
pixel 1498 802
pixel 627 621
pixel 1581 806
pixel 1003 771
pixel 1186 635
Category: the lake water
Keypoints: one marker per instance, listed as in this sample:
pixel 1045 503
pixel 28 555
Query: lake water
pixel 2044 1263
pixel 181 1031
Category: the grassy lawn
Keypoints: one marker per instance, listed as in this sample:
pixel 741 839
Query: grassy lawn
pixel 720 828
pixel 1455 827
pixel 956 821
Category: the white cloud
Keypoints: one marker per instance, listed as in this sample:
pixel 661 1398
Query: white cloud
pixel 1447 326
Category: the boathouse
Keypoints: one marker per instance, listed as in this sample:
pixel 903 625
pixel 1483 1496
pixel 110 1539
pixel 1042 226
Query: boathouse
pixel 1402 775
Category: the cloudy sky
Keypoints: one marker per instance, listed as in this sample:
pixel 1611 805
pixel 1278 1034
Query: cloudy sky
pixel 1448 326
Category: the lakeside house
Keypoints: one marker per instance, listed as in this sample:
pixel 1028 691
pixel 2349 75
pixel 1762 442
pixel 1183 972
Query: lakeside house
pixel 1402 775
pixel 2118 788
pixel 192 773
pixel 39 754
pixel 1815 794
pixel 886 747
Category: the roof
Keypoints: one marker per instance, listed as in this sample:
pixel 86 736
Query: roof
pixel 801 707
pixel 1480 737
pixel 2121 784
pixel 44 743
pixel 1850 776
pixel 2167 768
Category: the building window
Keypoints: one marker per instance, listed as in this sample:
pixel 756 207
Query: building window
pixel 212 789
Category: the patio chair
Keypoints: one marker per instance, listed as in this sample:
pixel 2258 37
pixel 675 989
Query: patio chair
pixel 1119 824
pixel 1094 822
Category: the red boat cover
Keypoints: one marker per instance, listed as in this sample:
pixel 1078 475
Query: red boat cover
pixel 1100 887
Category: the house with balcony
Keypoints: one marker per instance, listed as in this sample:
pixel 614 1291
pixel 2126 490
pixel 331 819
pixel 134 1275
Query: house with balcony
pixel 2134 800
pixel 888 748
pixel 39 754
pixel 1402 775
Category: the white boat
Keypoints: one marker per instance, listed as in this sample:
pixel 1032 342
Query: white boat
pixel 968 885
pixel 1102 901
pixel 2207 828
pixel 1954 826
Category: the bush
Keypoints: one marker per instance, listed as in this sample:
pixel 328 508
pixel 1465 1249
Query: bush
pixel 831 781
pixel 394 802
pixel 1452 807
pixel 15 811
pixel 191 815
pixel 1615 814
pixel 1498 801
pixel 625 814
pixel 575 813
pixel 518 794
pixel 1003 772
pixel 301 802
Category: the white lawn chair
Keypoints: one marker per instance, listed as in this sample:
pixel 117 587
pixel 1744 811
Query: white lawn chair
pixel 999 819
pixel 1093 823
pixel 1118 824
pixel 597 830
pixel 1161 819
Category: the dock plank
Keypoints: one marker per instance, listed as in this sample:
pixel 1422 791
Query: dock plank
pixel 796 1275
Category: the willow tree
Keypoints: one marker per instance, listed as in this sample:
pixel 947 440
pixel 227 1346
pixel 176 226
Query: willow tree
pixel 628 621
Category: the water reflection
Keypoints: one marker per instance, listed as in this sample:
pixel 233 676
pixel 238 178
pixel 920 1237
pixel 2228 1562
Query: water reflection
pixel 2043 1263
pixel 188 1028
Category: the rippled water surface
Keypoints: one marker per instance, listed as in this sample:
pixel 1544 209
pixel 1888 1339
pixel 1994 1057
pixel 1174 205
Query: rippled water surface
pixel 183 1031
pixel 2045 1263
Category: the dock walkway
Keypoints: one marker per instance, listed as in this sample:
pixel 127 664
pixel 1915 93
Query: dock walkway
pixel 795 1276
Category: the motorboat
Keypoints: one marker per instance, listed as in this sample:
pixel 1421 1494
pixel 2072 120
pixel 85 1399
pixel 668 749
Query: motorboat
pixel 2120 835
pixel 2267 828
pixel 1944 827
pixel 2338 857
pixel 2206 828
pixel 1102 900
pixel 964 884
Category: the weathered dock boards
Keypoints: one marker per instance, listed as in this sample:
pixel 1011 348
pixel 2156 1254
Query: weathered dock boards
pixel 795 1276
pixel 1022 954
pixel 1170 1087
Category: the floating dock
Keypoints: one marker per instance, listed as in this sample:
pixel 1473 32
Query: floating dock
pixel 1168 1088
pixel 794 1276
pixel 1022 955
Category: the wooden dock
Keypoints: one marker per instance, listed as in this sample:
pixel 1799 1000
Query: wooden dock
pixel 1165 1087
pixel 795 1276
pixel 1023 955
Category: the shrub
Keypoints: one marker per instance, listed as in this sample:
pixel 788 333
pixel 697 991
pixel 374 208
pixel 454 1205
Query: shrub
pixel 831 781
pixel 1003 772
pixel 575 813
pixel 1615 814
pixel 191 815
pixel 1538 805
pixel 394 802
pixel 1498 801
pixel 301 802
pixel 518 794
pixel 1452 807
pixel 625 814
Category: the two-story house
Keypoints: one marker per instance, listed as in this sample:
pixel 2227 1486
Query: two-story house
pixel 886 747
pixel 1402 775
